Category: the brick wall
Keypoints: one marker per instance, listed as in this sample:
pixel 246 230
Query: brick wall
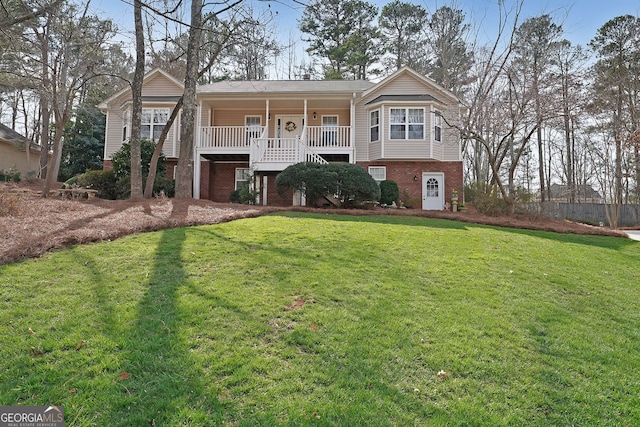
pixel 222 180
pixel 273 198
pixel 403 174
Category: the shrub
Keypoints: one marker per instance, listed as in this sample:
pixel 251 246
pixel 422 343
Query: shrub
pixel 389 192
pixel 490 202
pixel 103 181
pixel 244 195
pixel 11 175
pixel 121 160
pixel 162 185
pixel 348 182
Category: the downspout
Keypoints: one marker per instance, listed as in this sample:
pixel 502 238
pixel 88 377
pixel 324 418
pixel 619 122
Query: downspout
pixel 383 126
pixel 432 131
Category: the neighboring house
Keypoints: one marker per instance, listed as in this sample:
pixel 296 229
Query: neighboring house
pixel 13 153
pixel 583 193
pixel 401 128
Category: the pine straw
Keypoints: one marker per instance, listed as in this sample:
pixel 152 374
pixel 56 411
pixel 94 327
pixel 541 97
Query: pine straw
pixel 35 225
pixel 31 225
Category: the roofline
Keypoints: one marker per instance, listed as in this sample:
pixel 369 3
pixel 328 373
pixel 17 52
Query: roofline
pixel 406 69
pixel 104 104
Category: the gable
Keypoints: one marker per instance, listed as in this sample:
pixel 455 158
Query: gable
pixel 408 84
pixel 157 83
pixel 161 85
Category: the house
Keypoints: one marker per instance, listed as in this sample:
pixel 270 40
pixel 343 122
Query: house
pixel 402 128
pixel 583 193
pixel 13 153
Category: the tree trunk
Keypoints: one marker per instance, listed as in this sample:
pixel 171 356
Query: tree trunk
pixel 184 173
pixel 44 105
pixel 153 165
pixel 136 107
pixel 567 138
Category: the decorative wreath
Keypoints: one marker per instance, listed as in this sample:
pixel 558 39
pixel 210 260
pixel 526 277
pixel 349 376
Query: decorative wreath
pixel 290 126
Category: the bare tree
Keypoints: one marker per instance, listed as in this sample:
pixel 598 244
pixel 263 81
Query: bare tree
pixel 184 172
pixel 617 91
pixel 136 107
pixel 535 42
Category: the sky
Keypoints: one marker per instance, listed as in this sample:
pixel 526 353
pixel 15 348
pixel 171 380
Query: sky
pixel 580 19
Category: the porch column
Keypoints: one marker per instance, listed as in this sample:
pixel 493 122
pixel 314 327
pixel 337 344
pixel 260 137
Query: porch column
pixel 352 131
pixel 305 124
pixel 196 174
pixel 266 118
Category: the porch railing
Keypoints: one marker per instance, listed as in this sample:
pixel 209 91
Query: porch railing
pixel 229 136
pixel 328 136
pixel 282 151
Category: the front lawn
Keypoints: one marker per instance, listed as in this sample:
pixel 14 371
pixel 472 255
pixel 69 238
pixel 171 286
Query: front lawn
pixel 304 319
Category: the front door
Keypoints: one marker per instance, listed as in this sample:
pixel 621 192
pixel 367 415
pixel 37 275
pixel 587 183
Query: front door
pixel 289 126
pixel 432 191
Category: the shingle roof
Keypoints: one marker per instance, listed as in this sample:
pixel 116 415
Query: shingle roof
pixel 418 97
pixel 9 134
pixel 286 86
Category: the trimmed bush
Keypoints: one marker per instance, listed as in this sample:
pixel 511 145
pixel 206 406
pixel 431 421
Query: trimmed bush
pixel 103 181
pixel 347 182
pixel 389 192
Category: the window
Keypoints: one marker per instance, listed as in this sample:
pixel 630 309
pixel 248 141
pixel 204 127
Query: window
pixel 379 173
pixel 437 127
pixel 253 127
pixel 374 134
pixel 153 121
pixel 243 177
pixel 407 123
pixel 432 187
pixel 329 130
pixel 125 124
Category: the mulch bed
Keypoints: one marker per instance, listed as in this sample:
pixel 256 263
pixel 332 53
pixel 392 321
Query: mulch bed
pixel 31 225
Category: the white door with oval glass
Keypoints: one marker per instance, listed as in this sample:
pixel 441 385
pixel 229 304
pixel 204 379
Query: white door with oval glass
pixel 433 191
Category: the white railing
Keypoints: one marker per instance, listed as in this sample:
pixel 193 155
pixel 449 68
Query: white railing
pixel 282 151
pixel 328 136
pixel 229 136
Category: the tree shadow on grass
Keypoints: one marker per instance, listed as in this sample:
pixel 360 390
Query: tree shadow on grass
pixel 161 384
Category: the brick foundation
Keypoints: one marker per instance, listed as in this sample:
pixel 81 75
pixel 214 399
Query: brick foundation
pixel 403 173
pixel 218 180
pixel 273 198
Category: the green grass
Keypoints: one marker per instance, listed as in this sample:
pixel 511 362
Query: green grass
pixel 532 328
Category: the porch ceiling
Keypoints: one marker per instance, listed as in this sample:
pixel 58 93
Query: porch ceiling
pixel 276 104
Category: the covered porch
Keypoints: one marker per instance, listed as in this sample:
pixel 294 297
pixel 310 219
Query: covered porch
pixel 273 134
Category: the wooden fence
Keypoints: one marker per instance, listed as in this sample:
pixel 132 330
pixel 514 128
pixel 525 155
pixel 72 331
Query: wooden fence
pixel 590 213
